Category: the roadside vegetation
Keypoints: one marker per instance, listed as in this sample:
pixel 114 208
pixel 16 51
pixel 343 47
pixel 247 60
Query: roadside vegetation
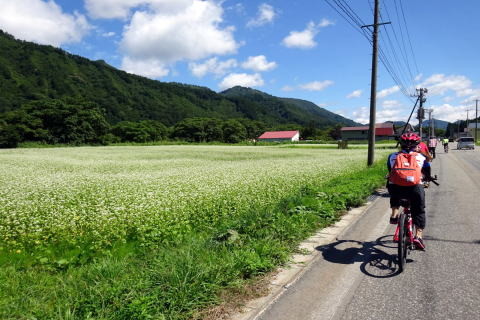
pixel 159 232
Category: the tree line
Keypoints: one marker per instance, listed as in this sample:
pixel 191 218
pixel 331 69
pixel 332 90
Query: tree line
pixel 68 121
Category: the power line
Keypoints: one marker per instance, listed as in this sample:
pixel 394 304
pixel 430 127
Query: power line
pixel 402 52
pixel 403 41
pixel 408 37
pixel 352 18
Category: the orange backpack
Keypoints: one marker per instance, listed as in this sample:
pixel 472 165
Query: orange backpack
pixel 406 171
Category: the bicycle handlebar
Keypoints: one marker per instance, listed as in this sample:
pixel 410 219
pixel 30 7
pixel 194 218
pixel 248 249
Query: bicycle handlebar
pixel 433 179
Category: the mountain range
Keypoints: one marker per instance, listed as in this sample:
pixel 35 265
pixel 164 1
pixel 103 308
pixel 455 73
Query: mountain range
pixel 32 72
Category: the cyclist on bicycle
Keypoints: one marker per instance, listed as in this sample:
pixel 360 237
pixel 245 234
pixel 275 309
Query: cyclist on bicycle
pixel 423 149
pixel 413 188
pixel 445 144
pixel 432 145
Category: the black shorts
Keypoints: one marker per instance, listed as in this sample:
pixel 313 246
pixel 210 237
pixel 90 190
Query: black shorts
pixel 416 195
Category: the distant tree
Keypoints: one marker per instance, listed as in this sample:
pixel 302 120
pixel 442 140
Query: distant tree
pixel 335 132
pixel 9 136
pixel 57 121
pixel 310 131
pixel 156 129
pixel 254 128
pixel 233 131
pixel 198 130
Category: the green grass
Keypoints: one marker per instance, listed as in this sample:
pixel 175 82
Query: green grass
pixel 176 280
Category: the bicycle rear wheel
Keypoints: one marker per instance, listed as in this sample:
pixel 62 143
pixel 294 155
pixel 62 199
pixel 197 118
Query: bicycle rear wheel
pixel 402 242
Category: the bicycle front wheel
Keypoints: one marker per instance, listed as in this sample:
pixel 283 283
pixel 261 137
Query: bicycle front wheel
pixel 402 242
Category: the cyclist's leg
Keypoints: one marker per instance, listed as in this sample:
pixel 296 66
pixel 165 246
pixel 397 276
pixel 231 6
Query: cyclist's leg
pixel 395 196
pixel 417 202
pixel 417 206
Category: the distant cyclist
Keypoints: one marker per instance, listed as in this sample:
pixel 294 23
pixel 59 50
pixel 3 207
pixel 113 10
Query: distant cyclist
pixel 432 145
pixel 445 144
pixel 405 182
pixel 423 149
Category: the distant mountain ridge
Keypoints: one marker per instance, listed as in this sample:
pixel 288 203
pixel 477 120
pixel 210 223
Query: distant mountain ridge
pixel 301 110
pixel 437 124
pixel 32 72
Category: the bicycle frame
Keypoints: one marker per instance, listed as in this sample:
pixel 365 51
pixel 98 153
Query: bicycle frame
pixel 408 227
pixel 404 235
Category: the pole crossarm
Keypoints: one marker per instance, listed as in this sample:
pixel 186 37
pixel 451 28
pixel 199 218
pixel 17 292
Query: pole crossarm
pixel 373 25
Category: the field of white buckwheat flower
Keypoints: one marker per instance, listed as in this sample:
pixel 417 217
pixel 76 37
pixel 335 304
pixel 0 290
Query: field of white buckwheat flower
pixel 159 232
pixel 106 195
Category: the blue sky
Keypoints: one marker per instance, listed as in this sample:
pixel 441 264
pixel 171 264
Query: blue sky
pixel 300 49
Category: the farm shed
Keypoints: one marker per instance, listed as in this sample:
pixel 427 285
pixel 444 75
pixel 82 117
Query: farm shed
pixel 274 136
pixel 383 131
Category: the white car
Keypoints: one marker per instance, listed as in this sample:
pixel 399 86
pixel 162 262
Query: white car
pixel 465 143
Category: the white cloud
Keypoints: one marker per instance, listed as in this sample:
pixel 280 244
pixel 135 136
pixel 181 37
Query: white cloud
pixel 305 39
pixel 239 8
pixel 121 9
pixel 218 68
pixel 325 23
pixel 418 77
pixel 108 34
pixel 362 115
pixel 266 14
pixel 316 85
pixel 241 79
pixel 188 32
pixel 389 115
pixel 450 113
pixel 42 22
pixel 355 94
pixel 288 88
pixel 439 84
pixel 386 92
pixel 390 104
pixel 109 9
pixel 448 99
pixel 259 64
pixel 150 68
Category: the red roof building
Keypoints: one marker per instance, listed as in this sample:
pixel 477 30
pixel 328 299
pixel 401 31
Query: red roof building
pixel 382 131
pixel 280 136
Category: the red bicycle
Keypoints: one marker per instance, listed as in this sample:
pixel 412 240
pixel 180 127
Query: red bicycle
pixel 405 232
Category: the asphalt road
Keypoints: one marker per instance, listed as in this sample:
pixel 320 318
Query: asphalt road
pixel 357 276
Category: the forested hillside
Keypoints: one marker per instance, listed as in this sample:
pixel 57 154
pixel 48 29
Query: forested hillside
pixel 33 72
pixel 44 89
pixel 300 111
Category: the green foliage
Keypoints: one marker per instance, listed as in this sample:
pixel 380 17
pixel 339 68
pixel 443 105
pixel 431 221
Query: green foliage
pixel 233 131
pixel 143 131
pixel 9 136
pixel 55 121
pixel 198 130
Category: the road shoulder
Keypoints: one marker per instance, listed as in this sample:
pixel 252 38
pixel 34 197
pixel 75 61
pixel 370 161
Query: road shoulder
pixel 301 263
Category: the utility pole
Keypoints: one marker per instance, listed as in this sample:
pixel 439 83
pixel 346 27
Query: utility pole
pixel 476 120
pixel 467 119
pixel 421 110
pixel 373 88
pixel 431 131
pixel 433 125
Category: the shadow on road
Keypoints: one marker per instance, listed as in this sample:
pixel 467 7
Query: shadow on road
pixel 375 260
pixel 449 240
